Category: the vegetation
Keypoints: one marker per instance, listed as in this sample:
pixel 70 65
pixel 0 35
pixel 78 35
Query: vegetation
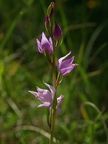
pixel 84 118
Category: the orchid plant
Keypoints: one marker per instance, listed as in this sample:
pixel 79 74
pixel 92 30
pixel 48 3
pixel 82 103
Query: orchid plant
pixel 48 46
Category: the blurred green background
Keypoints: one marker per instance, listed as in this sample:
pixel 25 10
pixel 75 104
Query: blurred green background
pixel 84 118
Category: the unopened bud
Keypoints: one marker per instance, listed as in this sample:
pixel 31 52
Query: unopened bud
pixel 50 10
pixel 57 32
pixel 47 23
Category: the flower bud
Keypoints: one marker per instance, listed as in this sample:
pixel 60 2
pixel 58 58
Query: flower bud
pixel 47 23
pixel 50 10
pixel 57 32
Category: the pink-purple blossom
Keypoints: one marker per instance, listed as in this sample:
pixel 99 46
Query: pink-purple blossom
pixel 44 45
pixel 66 66
pixel 47 97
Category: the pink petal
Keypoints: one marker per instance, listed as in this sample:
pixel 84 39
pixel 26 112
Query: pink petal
pixel 39 46
pixel 67 63
pixel 67 70
pixel 44 95
pixel 34 93
pixel 59 100
pixel 46 104
pixel 62 58
pixel 45 43
pixel 52 89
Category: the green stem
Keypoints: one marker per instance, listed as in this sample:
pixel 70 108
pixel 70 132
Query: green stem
pixel 53 116
pixel 53 111
pixel 54 70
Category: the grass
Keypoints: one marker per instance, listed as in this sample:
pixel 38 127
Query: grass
pixel 84 110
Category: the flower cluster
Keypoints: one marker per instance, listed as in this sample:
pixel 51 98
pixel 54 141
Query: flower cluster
pixel 65 65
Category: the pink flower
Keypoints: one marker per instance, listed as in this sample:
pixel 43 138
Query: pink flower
pixel 66 66
pixel 44 45
pixel 47 97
